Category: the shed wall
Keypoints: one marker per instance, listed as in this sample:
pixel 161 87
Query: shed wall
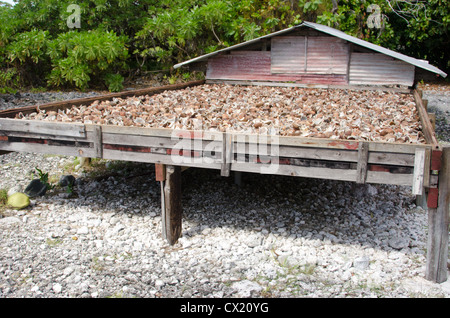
pixel 379 69
pixel 309 60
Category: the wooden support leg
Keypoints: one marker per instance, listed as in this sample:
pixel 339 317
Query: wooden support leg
pixel 227 153
pixel 238 178
pixel 438 226
pixel 171 204
pixel 421 200
pixel 363 156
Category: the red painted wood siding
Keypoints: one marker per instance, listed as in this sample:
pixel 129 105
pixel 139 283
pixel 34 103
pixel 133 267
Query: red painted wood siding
pixel 256 65
pixel 240 65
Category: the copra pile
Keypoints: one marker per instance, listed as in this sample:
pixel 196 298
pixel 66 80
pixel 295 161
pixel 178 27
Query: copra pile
pixel 286 111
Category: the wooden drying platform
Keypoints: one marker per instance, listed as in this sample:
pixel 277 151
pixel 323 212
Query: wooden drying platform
pixel 424 167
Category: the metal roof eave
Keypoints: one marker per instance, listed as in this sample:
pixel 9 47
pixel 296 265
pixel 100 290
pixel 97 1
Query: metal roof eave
pixel 331 31
pixel 419 63
pixel 206 56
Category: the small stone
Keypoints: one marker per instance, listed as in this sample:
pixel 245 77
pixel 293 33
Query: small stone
pixel 36 188
pixel 361 263
pixel 246 288
pixel 83 230
pixel 68 270
pixel 398 243
pixel 18 201
pixel 66 180
pixel 15 189
pixel 9 220
pixel 371 190
pixel 57 288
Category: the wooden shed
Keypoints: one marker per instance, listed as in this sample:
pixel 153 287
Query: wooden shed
pixel 310 53
pixel 308 56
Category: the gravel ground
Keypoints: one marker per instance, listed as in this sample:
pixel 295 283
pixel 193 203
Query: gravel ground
pixel 272 236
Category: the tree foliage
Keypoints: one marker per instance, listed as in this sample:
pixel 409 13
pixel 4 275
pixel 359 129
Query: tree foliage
pixel 416 28
pixel 119 38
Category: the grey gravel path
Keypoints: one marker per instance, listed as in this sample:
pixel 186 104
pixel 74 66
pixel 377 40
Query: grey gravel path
pixel 271 237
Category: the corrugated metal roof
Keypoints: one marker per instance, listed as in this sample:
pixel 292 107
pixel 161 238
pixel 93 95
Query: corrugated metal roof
pixel 206 56
pixel 331 31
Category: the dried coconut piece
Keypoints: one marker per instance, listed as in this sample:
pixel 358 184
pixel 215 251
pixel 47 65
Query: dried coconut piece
pixel 363 110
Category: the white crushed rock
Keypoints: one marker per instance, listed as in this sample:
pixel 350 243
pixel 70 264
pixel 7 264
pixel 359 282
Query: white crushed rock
pixel 273 236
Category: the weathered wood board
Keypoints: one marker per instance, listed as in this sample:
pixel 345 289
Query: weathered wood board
pixel 305 157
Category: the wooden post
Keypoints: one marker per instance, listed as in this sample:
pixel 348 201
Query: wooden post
pixel 98 141
pixel 361 168
pixel 238 178
pixel 438 222
pixel 227 153
pixel 171 209
pixel 419 171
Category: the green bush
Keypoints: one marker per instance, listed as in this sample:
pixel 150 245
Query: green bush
pixel 81 57
pixel 37 46
pixel 74 59
pixel 9 81
pixel 26 53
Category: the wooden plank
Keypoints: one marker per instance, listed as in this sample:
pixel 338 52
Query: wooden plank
pixel 432 117
pixel 202 162
pixel 36 135
pixel 361 168
pixel 419 172
pixel 162 142
pixel 43 127
pixel 98 143
pixel 427 127
pixel 227 155
pixel 331 143
pixel 172 208
pixel 297 171
pixel 386 158
pixel 48 149
pixel 378 177
pixel 427 172
pixel 128 134
pixel 438 226
pixel 398 159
